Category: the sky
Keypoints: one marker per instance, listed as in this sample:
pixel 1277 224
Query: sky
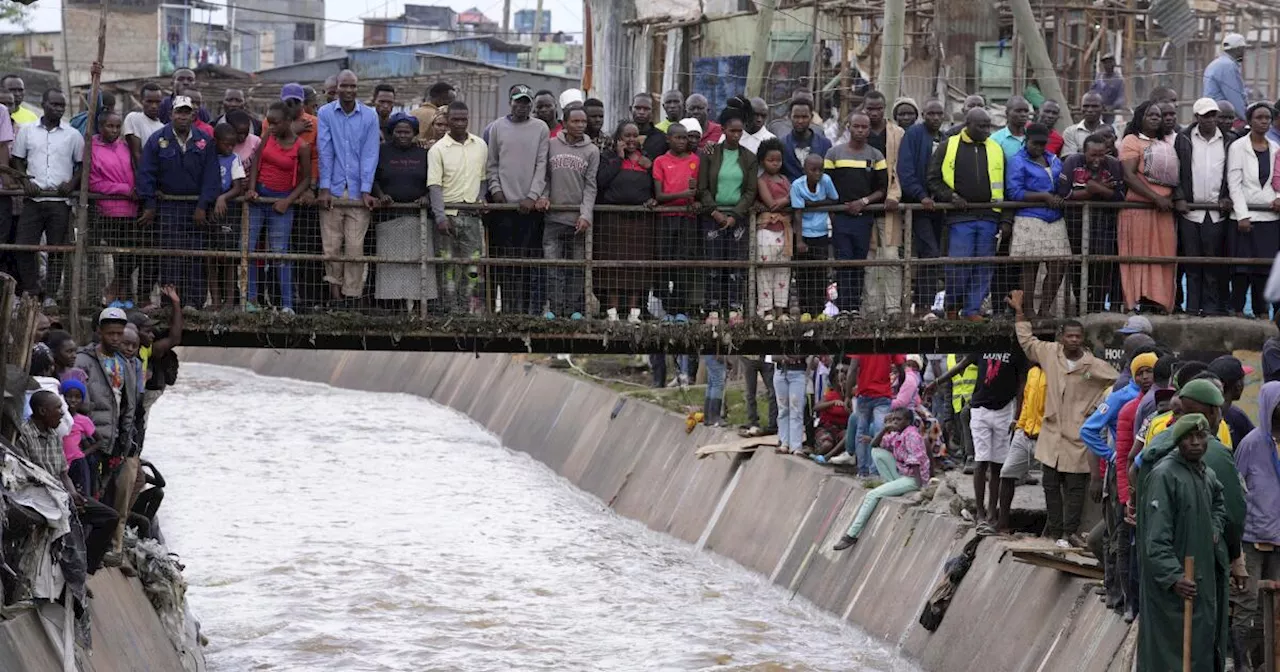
pixel 566 15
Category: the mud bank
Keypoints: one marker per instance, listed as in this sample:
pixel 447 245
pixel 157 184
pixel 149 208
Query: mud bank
pixel 776 515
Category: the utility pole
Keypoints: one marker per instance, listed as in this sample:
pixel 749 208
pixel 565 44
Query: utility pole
pixel 1029 30
pixel 537 36
pixel 506 19
pixel 760 48
pixel 891 44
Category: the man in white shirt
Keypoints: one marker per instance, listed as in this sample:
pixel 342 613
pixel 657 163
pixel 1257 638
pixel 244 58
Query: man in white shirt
pixel 754 131
pixel 1073 138
pixel 140 126
pixel 49 153
pixel 1202 157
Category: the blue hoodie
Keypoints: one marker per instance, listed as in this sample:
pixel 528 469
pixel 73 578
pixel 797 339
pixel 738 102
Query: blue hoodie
pixel 1104 418
pixel 913 162
pixel 1259 468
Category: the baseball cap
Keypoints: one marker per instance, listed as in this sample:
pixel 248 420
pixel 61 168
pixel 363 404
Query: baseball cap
pixel 691 125
pixel 115 314
pixel 1229 369
pixel 1234 41
pixel 292 91
pixel 1108 57
pixel 180 102
pixel 1204 106
pixel 1136 324
pixel 521 91
pixel 571 96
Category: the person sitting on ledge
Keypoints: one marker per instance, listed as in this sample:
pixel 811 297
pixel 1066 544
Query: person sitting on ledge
pixel 902 461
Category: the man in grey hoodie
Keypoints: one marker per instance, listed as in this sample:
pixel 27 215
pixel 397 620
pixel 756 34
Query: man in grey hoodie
pixel 572 162
pixel 517 170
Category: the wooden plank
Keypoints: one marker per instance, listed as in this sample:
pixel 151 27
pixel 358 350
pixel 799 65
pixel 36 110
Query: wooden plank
pixel 1059 562
pixel 748 445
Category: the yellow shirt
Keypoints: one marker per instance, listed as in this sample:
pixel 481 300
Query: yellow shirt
pixel 1164 420
pixel 23 116
pixel 458 168
pixel 1033 402
pixel 144 355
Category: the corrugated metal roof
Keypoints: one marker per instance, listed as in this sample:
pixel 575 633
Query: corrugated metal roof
pixel 1176 20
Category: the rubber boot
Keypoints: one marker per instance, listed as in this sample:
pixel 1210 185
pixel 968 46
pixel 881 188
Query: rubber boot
pixel 713 412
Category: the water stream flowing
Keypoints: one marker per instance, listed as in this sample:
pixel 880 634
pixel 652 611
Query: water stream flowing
pixel 326 529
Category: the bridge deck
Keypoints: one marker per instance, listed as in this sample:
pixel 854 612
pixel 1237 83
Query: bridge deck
pixel 518 333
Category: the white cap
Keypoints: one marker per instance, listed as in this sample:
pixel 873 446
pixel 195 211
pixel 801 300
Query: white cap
pixel 1205 105
pixel 918 360
pixel 1234 41
pixel 112 315
pixel 571 96
pixel 181 102
pixel 691 125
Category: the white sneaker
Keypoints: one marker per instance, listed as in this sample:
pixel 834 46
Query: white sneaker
pixel 634 317
pixel 843 458
pixel 1062 543
pixel 613 314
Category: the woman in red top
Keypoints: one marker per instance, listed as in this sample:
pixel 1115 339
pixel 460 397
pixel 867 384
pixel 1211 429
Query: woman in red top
pixel 773 231
pixel 281 170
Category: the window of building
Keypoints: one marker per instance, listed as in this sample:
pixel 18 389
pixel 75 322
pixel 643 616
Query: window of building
pixel 304 32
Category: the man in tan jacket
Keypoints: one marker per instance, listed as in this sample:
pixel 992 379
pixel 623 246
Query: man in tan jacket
pixel 884 283
pixel 1076 382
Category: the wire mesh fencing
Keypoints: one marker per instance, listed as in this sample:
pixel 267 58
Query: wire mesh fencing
pixel 633 263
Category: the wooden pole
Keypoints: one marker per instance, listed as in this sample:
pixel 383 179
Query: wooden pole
pixel 80 263
pixel 537 36
pixel 815 53
pixel 506 19
pixel 588 48
pixel 1038 54
pixel 846 46
pixel 760 48
pixel 1188 573
pixel 889 78
pixel 1130 42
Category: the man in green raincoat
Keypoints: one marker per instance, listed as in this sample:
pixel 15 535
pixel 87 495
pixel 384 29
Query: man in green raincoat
pixel 1181 514
pixel 1203 396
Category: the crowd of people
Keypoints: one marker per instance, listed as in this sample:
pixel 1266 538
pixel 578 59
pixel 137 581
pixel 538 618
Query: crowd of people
pixel 1158 441
pixel 85 424
pixel 805 188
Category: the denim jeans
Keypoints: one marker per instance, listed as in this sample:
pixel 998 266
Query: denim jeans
pixel 851 238
pixel 279 230
pixel 894 485
pixel 715 376
pixel 179 232
pixel 968 285
pixel 564 285
pixel 789 387
pixel 870 414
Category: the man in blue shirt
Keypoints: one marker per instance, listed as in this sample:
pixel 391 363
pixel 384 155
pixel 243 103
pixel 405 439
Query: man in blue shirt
pixel 1014 135
pixel 917 147
pixel 349 139
pixel 1109 85
pixel 1224 78
pixel 180 160
pixel 802 140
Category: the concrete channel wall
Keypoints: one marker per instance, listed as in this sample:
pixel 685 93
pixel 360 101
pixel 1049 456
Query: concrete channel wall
pixel 127 635
pixel 777 515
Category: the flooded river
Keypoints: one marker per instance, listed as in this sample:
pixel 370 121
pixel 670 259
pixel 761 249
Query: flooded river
pixel 325 529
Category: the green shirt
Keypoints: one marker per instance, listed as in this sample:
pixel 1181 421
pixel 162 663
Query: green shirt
pixel 729 181
pixel 1033 95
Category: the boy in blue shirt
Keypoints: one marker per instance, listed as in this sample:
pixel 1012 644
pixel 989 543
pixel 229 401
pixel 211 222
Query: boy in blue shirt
pixel 226 214
pixel 812 190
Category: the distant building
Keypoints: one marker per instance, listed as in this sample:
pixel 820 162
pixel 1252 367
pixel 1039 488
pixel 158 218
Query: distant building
pixel 148 38
pixel 272 33
pixel 38 51
pixel 419 23
pixel 474 20
pixel 525 21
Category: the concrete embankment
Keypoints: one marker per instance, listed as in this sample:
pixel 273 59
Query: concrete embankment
pixel 127 634
pixel 777 515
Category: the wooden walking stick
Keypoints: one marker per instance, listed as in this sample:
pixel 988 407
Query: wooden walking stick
pixel 1188 572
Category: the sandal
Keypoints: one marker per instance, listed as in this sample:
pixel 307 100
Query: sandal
pixel 782 450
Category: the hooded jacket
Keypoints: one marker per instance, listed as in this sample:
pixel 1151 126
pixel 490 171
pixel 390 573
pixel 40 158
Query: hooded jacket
pixel 1103 421
pixel 113 420
pixel 571 177
pixel 1259 468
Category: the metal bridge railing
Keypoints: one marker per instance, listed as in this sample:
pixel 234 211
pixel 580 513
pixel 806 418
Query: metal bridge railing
pixel 636 260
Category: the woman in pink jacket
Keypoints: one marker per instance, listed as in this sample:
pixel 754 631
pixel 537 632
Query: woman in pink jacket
pixel 113 219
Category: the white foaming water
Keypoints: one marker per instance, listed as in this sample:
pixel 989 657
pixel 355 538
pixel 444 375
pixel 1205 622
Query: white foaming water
pixel 326 529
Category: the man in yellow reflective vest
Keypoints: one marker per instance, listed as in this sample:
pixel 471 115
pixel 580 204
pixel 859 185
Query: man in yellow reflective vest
pixel 967 171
